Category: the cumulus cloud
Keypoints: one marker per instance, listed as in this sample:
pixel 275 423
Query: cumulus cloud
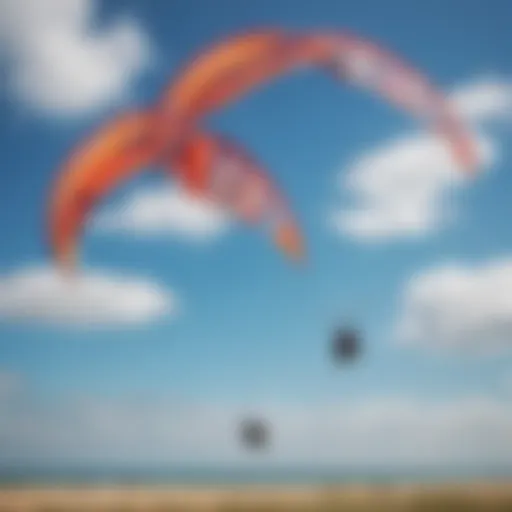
pixel 42 295
pixel 58 61
pixel 377 432
pixel 486 99
pixel 404 188
pixel 164 211
pixel 459 306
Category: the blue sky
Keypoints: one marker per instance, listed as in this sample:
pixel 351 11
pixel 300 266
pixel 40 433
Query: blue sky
pixel 243 326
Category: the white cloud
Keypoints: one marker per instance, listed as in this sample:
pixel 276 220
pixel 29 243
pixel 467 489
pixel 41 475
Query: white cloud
pixel 404 187
pixel 459 306
pixel 41 294
pixel 485 99
pixel 58 61
pixel 165 211
pixel 379 432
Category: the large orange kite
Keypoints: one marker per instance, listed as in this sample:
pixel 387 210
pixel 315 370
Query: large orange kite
pixel 169 134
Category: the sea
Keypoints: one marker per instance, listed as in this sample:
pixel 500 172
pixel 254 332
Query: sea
pixel 218 477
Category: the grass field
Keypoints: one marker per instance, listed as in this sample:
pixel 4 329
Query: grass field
pixel 477 497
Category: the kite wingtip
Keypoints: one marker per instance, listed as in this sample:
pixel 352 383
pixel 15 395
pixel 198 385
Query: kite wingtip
pixel 289 240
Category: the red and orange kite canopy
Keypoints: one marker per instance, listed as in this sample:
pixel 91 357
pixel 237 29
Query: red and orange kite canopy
pixel 170 134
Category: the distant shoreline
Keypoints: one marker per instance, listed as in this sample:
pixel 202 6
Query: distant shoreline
pixel 235 477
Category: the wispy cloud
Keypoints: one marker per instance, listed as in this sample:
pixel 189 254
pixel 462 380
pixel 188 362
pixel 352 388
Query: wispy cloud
pixel 381 432
pixel 404 187
pixel 42 295
pixel 61 63
pixel 459 306
pixel 166 211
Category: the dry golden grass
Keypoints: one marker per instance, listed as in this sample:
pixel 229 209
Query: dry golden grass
pixel 470 498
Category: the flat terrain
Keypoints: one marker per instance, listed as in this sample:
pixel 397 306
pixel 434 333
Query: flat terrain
pixel 468 497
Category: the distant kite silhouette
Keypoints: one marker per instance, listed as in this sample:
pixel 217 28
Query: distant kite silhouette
pixel 346 345
pixel 254 434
